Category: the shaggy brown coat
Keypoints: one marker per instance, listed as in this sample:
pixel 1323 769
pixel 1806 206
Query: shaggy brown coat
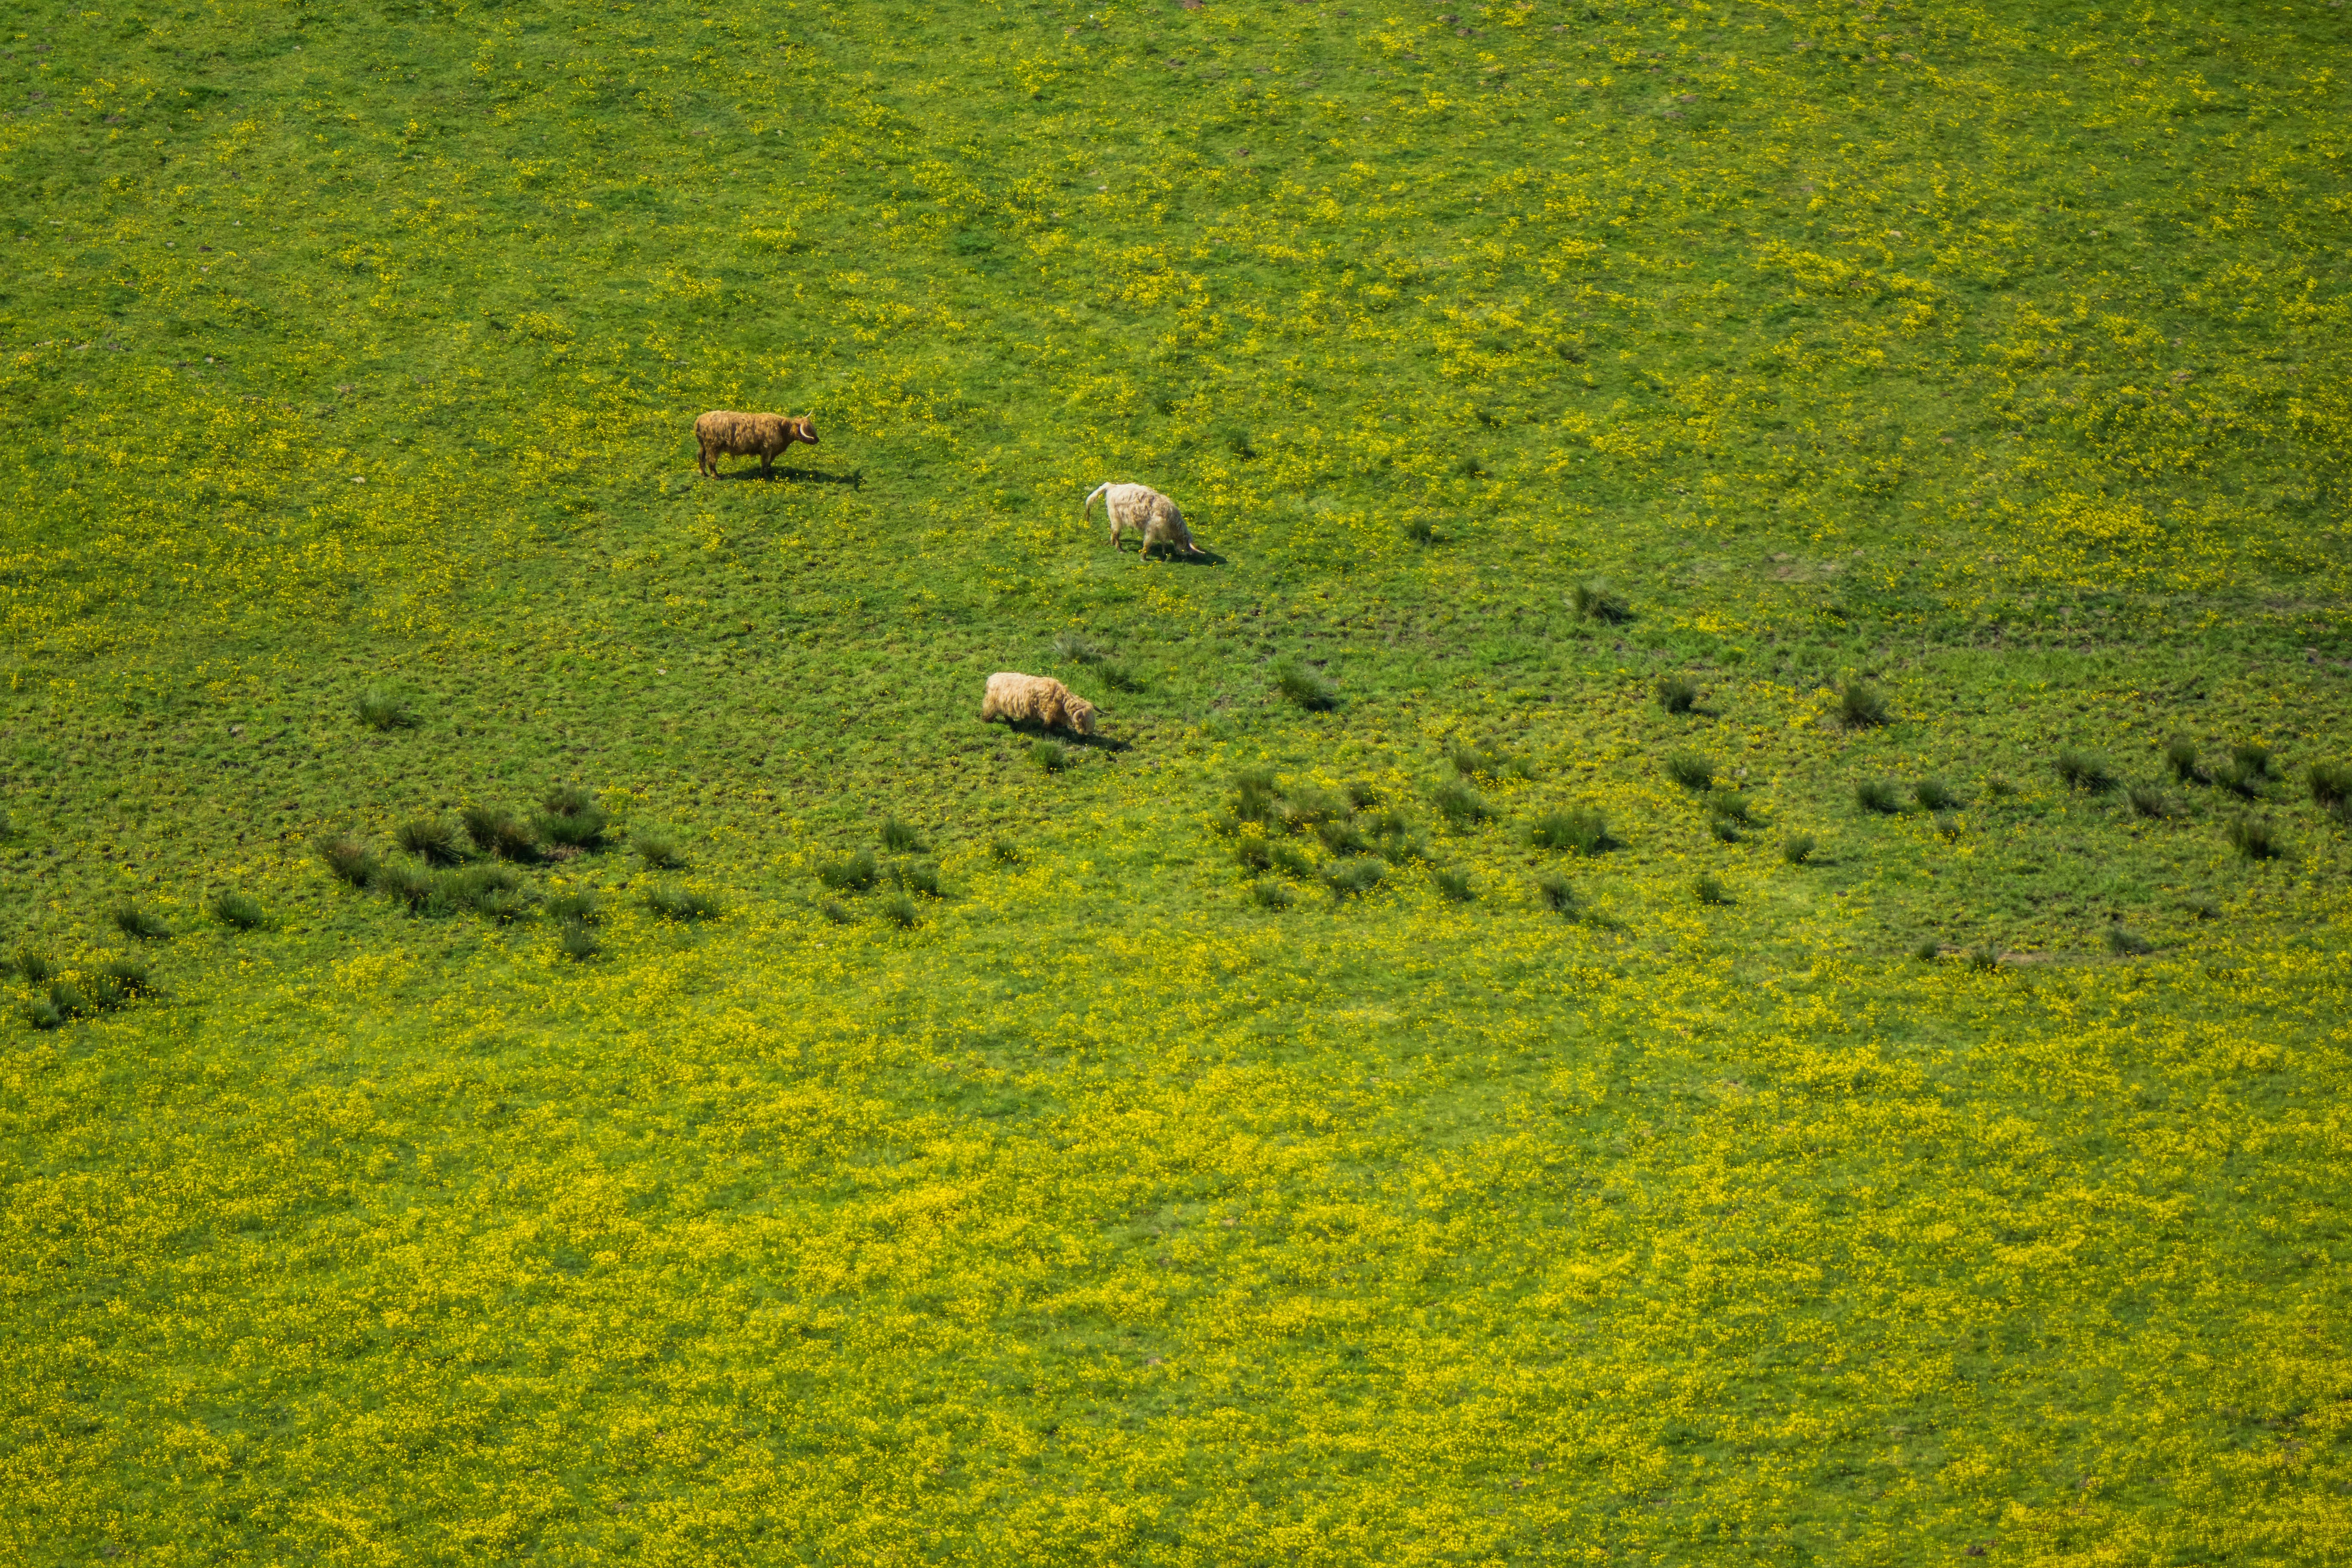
pixel 1036 700
pixel 723 433
pixel 1139 507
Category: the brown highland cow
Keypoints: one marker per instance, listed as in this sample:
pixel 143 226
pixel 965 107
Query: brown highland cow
pixel 1036 700
pixel 762 436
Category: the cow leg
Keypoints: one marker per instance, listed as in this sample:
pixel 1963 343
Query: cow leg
pixel 767 466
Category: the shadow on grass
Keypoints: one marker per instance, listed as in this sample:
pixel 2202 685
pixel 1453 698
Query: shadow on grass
pixel 856 479
pixel 1167 554
pixel 1027 732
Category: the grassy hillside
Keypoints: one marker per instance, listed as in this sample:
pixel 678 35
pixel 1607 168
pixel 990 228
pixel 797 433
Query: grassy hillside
pixel 1405 1091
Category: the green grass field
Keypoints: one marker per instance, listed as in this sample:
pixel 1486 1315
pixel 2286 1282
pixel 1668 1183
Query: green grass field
pixel 1402 1093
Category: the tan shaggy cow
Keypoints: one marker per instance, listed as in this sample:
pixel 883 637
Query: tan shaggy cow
pixel 1036 700
pixel 723 433
pixel 1139 507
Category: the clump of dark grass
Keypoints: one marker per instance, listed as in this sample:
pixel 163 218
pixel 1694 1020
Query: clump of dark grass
pixel 1079 648
pixel 577 943
pixel 1999 787
pixel 380 707
pixel 850 874
pixel 838 913
pixel 1454 886
pixel 1596 601
pixel 1879 795
pixel 1361 793
pixel 239 912
pixel 1120 675
pixel 1420 531
pixel 2255 837
pixel 1556 893
pixel 571 818
pixel 1861 706
pixel 1292 862
pixel 2239 780
pixel 917 876
pixel 34 966
pixel 1341 837
pixel 1691 771
pixel 1483 761
pixel 1935 794
pixel 657 850
pixel 1677 694
pixel 1731 805
pixel 1797 848
pixel 578 906
pixel 43 1013
pixel 1311 807
pixel 1947 826
pixel 134 920
pixel 411 887
pixel 2331 786
pixel 429 838
pixel 2252 759
pixel 1050 755
pixel 2180 752
pixel 2203 909
pixel 899 838
pixel 1459 804
pixel 498 833
pixel 899 910
pixel 1724 829
pixel 2149 801
pixel 492 890
pixel 1270 895
pixel 1709 891
pixel 1929 951
pixel 673 903
pixel 1984 958
pixel 1254 854
pixel 1004 851
pixel 1353 879
pixel 1582 830
pixel 2126 943
pixel 346 858
pixel 118 981
pixel 1305 688
pixel 1255 797
pixel 2084 771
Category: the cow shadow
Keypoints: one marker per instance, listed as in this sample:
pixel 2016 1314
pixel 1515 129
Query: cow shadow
pixel 1110 745
pixel 855 479
pixel 1162 555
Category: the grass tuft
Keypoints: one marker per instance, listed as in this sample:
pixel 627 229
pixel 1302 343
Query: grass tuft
pixel 1556 893
pixel 1929 951
pixel 899 910
pixel 1459 804
pixel 577 943
pixel 919 877
pixel 1861 706
pixel 1935 794
pixel 1050 755
pixel 1797 848
pixel 2147 801
pixel 673 903
pixel 900 838
pixel 578 906
pixel 837 912
pixel 571 818
pixel 144 924
pixel 851 874
pixel 1269 895
pixel 1452 885
pixel 2084 771
pixel 2126 943
pixel 1079 648
pixel 496 832
pixel 1420 531
pixel 2180 752
pixel 657 850
pixel 1003 851
pixel 1354 879
pixel 1984 958
pixel 239 912
pixel 1677 694
pixel 33 967
pixel 1255 797
pixel 1691 771
pixel 380 708
pixel 1731 805
pixel 1305 688
pixel 122 980
pixel 1583 831
pixel 347 859
pixel 1879 795
pixel 1341 837
pixel 1596 601
pixel 2330 785
pixel 2252 759
pixel 2255 837
pixel 1710 889
pixel 430 839
pixel 411 887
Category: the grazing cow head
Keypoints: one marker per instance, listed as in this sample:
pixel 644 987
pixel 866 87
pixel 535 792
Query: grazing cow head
pixel 804 428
